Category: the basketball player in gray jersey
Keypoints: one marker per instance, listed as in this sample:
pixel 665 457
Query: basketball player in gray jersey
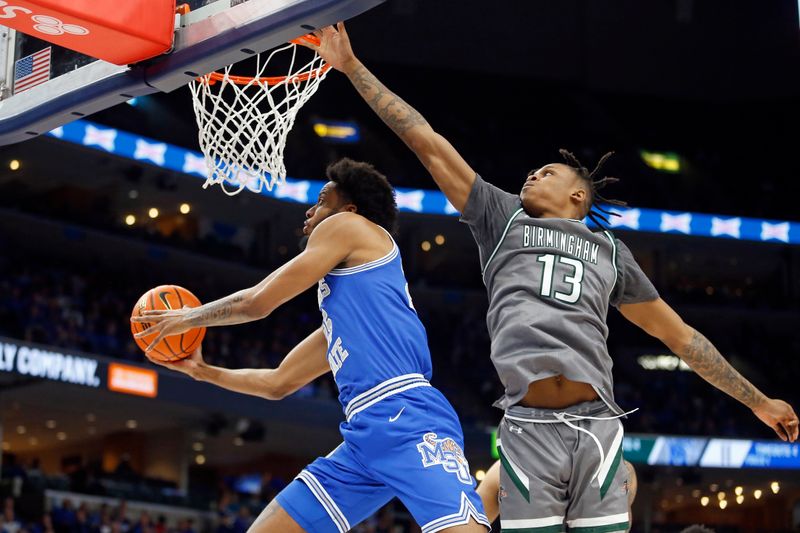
pixel 550 281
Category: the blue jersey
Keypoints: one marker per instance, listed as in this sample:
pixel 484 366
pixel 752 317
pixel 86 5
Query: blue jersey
pixel 376 342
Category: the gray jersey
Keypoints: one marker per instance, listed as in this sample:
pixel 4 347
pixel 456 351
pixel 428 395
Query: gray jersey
pixel 550 281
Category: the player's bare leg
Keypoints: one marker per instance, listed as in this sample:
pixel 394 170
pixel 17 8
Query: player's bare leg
pixel 275 518
pixel 488 490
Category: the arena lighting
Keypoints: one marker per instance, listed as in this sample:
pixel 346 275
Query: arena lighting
pixel 131 424
pixel 439 240
pixel 197 446
pixel 775 487
pixel 721 496
pixel 343 132
pixel 153 212
pixel 740 499
pixel 696 493
pixel 130 220
pixel 133 194
pixel 704 501
pixel 200 459
pixel 738 490
pixel 663 161
pixel 426 246
pixel 723 504
pixel 50 424
pixel 14 164
pixel 21 430
pixel 185 208
pixel 238 441
pixel 61 435
pixel 713 487
pixel 662 362
pixel 480 475
pixel 757 494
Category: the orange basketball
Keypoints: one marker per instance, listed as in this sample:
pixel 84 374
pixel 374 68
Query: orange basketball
pixel 174 347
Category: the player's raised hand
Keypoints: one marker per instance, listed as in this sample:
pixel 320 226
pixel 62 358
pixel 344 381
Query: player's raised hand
pixel 334 47
pixel 163 323
pixel 780 416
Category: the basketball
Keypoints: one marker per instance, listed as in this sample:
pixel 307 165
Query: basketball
pixel 175 347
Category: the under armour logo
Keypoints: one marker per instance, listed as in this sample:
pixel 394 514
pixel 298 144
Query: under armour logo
pixel 53 26
pixel 515 429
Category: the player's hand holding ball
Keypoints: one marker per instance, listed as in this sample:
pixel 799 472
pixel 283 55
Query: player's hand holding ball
pixel 159 325
pixel 192 366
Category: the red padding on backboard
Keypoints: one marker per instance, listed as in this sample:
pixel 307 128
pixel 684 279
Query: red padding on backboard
pixel 117 31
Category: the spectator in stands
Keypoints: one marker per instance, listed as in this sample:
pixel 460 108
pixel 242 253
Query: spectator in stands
pixel 10 523
pixel 64 516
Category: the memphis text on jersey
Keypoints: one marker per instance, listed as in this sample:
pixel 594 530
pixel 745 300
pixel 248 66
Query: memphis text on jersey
pixel 337 353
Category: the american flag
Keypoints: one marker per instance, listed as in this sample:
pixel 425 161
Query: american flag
pixel 32 70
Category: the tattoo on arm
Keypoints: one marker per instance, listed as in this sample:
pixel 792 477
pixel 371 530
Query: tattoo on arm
pixel 219 313
pixel 395 112
pixel 706 360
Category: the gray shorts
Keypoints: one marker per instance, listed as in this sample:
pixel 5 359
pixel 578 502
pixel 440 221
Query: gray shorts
pixel 562 468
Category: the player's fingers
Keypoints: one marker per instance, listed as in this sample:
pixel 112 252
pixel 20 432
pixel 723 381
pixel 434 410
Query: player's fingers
pixel 308 43
pixel 155 328
pixel 340 28
pixel 781 431
pixel 158 339
pixel 793 427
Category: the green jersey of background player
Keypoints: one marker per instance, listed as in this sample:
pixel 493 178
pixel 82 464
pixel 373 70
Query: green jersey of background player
pixel 550 281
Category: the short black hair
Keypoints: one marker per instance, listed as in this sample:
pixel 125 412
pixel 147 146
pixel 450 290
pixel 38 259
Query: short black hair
pixel 369 190
pixel 595 213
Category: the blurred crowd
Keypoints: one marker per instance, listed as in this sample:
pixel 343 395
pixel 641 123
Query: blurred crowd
pixel 72 308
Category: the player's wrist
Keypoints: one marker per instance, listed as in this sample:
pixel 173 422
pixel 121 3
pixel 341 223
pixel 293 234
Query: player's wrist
pixel 350 65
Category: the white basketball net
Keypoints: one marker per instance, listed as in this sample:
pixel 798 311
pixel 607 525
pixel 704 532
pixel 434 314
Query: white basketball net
pixel 243 127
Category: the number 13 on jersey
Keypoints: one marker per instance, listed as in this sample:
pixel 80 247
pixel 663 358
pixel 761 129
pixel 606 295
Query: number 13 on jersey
pixel 571 281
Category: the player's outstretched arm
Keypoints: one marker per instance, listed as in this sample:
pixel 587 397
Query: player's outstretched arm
pixel 330 244
pixel 661 321
pixel 452 174
pixel 306 362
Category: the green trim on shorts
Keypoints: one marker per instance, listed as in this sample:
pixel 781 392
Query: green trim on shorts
pixel 610 528
pixel 515 478
pixel 558 528
pixel 612 472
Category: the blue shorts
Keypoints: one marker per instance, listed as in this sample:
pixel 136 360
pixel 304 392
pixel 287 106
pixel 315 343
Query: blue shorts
pixel 410 446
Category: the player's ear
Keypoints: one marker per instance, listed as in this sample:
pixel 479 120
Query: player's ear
pixel 350 208
pixel 578 196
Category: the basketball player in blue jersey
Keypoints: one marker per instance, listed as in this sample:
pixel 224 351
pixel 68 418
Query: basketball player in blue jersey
pixel 550 281
pixel 401 436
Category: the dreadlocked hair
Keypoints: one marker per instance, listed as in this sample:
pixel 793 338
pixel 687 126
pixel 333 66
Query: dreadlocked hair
pixel 597 214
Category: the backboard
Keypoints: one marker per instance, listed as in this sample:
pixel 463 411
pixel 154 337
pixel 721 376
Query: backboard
pixel 214 34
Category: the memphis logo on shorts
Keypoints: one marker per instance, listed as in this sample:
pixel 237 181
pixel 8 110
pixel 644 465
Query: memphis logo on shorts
pixel 445 452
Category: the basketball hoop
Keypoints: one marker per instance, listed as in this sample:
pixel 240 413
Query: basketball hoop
pixel 244 121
